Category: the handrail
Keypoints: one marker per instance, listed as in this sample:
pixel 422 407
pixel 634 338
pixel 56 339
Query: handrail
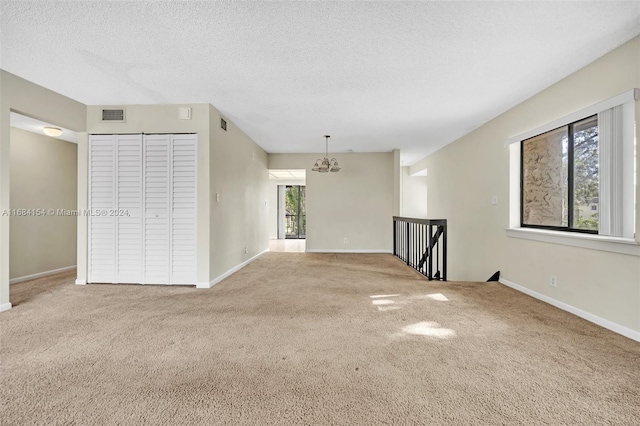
pixel 418 242
pixel 422 221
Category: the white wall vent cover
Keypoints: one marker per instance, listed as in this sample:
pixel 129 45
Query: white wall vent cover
pixel 113 114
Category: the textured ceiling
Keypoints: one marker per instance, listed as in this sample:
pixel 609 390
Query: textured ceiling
pixel 373 75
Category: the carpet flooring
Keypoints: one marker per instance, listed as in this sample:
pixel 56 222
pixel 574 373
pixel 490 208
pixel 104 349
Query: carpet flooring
pixel 301 338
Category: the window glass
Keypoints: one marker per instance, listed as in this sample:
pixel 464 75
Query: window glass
pixel 544 179
pixel 560 185
pixel 585 174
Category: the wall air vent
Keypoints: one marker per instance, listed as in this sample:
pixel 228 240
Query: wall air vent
pixel 223 124
pixel 113 114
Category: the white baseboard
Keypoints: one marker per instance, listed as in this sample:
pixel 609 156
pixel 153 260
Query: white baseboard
pixel 41 274
pixel 348 251
pixel 229 272
pixel 610 325
pixel 5 307
pixel 81 282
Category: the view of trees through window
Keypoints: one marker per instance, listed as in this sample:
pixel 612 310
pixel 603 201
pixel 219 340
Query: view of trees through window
pixel 295 212
pixel 586 187
pixel 560 185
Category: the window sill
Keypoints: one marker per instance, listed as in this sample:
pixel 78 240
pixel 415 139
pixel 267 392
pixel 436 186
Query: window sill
pixel 588 241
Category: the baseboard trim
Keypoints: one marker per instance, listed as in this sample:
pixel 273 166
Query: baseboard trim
pixel 348 251
pixel 610 325
pixel 203 285
pixel 41 274
pixel 229 272
pixel 5 307
pixel 81 282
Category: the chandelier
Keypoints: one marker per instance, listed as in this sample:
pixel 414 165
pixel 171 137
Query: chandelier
pixel 325 165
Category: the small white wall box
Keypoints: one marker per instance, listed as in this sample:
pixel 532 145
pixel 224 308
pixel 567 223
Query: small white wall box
pixel 184 113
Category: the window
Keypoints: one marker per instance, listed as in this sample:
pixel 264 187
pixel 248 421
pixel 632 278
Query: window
pixel 560 180
pixel 576 176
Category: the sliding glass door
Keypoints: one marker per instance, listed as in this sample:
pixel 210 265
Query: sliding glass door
pixel 295 222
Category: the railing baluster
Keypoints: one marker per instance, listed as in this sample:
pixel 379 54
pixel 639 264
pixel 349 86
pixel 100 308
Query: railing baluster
pixel 415 250
pixel 404 241
pixel 438 257
pixel 444 252
pixel 422 245
pixel 430 258
pixel 407 243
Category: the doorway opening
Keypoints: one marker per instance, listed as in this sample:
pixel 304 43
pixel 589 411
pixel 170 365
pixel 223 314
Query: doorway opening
pixel 295 223
pixel 288 212
pixel 43 199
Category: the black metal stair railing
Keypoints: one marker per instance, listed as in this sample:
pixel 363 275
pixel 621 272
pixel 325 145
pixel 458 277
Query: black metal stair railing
pixel 420 243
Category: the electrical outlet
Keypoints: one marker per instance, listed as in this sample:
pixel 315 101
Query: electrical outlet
pixel 217 197
pixel 494 200
pixel 246 250
pixel 346 241
pixel 553 281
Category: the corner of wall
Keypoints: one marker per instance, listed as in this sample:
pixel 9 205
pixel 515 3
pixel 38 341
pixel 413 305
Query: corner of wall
pixel 397 183
pixel 239 196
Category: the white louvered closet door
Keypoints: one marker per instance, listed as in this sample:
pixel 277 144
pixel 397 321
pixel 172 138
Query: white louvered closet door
pixel 157 181
pixel 102 197
pixel 129 209
pixel 147 187
pixel 183 209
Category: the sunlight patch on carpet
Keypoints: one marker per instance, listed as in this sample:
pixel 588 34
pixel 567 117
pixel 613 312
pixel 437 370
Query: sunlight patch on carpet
pixel 383 302
pixel 388 308
pixel 434 296
pixel 438 296
pixel 428 328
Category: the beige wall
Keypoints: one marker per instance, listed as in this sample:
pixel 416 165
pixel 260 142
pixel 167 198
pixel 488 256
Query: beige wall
pixel 356 203
pixel 239 176
pixel 414 195
pixel 35 101
pixel 463 176
pixel 43 176
pixel 273 203
pixel 154 119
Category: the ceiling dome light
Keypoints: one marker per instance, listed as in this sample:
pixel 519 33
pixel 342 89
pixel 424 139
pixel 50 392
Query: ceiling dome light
pixel 52 131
